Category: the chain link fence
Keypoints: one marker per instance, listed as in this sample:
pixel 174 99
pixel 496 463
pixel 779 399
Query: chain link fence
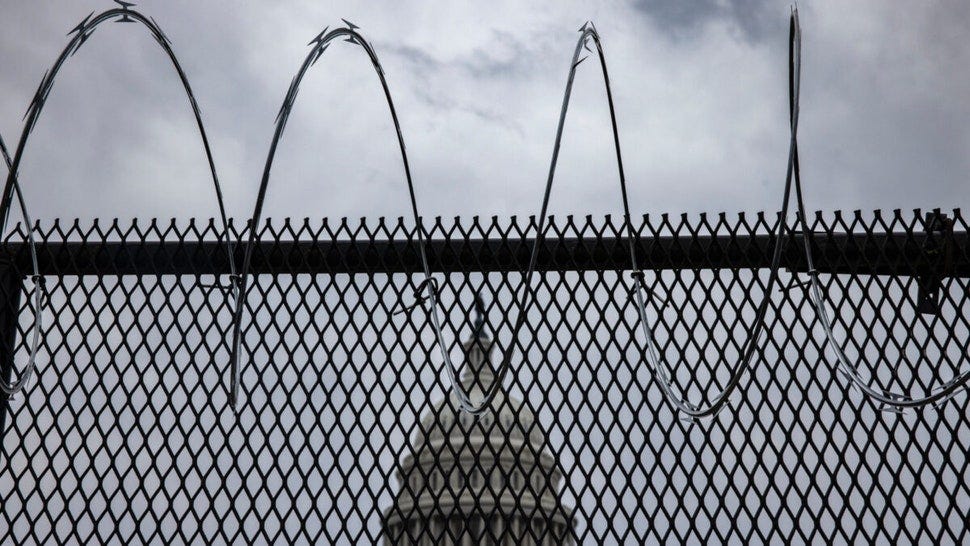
pixel 346 431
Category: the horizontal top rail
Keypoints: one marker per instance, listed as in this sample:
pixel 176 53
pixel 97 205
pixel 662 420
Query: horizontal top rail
pixel 894 253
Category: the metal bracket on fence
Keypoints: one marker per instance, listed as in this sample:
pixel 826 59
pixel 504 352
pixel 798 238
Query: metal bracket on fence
pixel 234 282
pixel 420 295
pixel 938 245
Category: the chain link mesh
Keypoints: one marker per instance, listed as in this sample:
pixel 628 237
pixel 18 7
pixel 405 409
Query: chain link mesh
pixel 345 431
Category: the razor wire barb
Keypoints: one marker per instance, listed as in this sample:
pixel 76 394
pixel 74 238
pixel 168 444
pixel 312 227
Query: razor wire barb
pixel 79 35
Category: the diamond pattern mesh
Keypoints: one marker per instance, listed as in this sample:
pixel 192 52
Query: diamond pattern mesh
pixel 345 432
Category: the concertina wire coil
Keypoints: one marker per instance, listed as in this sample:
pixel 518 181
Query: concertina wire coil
pixel 427 290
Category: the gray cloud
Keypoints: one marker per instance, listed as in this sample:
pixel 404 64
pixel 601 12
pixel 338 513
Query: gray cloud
pixel 753 18
pixel 479 64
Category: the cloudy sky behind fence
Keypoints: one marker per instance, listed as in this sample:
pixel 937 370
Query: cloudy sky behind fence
pixel 701 97
pixel 700 94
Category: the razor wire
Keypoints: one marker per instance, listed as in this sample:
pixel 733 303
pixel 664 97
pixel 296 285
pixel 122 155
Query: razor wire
pixel 7 388
pixel 587 32
pixel 427 290
pixel 80 35
pixel 92 458
pixel 320 44
pixel 657 366
pixel 890 400
pixel 750 345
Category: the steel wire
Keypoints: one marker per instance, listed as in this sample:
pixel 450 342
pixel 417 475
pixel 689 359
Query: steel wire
pixel 23 378
pixel 320 45
pixel 657 366
pixel 80 35
pixel 889 399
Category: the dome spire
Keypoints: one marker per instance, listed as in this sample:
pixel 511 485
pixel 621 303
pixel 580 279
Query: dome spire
pixel 479 316
pixel 477 349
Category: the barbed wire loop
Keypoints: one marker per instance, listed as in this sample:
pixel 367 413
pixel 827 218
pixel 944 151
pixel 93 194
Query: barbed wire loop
pixel 79 35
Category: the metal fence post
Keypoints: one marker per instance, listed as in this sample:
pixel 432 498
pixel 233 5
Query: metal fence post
pixel 11 287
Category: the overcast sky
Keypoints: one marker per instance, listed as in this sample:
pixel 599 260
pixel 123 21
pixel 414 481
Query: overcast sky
pixel 700 94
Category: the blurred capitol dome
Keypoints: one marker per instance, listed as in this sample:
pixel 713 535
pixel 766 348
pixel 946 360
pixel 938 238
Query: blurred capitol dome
pixel 478 480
